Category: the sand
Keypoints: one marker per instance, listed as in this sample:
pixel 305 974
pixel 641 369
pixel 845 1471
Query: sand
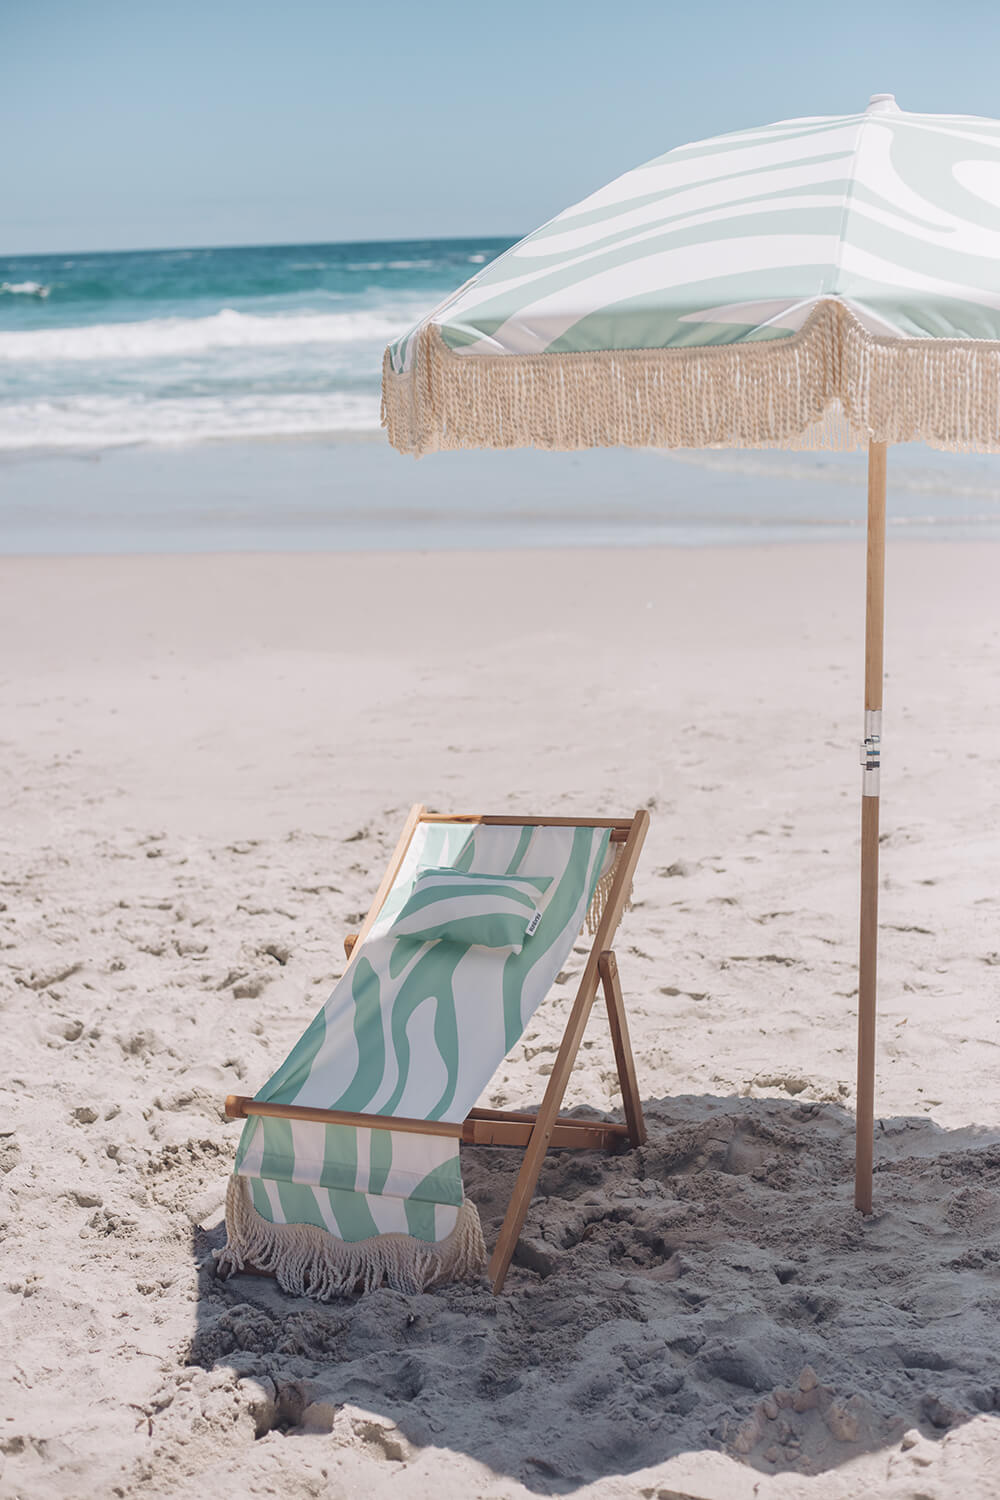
pixel 205 763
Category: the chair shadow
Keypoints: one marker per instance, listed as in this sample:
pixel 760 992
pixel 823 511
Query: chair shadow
pixel 713 1290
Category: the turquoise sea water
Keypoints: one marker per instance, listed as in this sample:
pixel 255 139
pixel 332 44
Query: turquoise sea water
pixel 135 390
pixel 179 346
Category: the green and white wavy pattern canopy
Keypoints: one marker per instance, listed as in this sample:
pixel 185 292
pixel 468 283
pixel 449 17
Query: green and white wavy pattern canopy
pixel 736 291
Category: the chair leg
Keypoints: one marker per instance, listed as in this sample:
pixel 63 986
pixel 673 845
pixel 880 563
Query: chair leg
pixel 537 1146
pixel 607 966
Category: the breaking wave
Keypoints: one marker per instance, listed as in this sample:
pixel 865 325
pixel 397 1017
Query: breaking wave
pixel 157 338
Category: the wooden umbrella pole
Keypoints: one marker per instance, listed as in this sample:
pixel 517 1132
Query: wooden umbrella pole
pixel 870 760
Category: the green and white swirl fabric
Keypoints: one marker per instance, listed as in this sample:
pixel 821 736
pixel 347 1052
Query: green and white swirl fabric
pixel 415 1028
pixel 827 279
pixel 492 911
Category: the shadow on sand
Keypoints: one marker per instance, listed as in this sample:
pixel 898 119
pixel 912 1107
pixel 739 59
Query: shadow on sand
pixel 713 1290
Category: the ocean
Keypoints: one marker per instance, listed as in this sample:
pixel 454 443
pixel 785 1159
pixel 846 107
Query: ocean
pixel 178 346
pixel 136 387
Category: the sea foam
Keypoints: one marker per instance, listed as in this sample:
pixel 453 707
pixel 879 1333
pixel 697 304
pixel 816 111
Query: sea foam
pixel 103 421
pixel 227 329
pixel 24 289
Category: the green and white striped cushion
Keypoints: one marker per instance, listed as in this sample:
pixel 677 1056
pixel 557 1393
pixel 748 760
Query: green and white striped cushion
pixel 489 911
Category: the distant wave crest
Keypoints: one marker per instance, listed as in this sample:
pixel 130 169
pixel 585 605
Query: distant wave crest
pixel 227 329
pixel 24 289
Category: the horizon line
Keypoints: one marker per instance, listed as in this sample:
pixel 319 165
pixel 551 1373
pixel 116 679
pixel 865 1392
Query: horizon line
pixel 423 239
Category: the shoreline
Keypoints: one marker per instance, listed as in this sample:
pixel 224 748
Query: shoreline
pixel 336 437
pixel 292 496
pixel 851 539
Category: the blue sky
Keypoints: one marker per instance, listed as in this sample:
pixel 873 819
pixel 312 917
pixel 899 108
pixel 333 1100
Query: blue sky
pixel 141 124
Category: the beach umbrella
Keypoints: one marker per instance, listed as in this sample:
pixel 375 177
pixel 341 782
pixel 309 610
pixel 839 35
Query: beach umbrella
pixel 829 281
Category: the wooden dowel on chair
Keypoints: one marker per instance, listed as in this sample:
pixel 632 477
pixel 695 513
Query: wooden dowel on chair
pixel 527 1117
pixel 620 827
pixel 239 1106
pixel 518 1125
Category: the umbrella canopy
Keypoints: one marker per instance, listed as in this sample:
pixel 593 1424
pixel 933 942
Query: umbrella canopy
pixel 818 282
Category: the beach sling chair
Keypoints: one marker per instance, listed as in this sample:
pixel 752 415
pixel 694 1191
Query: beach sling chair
pixel 347 1173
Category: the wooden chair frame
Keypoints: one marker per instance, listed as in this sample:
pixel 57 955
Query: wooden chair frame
pixel 535 1133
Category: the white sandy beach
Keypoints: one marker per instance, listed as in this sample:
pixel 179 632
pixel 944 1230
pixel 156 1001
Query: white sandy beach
pixel 206 761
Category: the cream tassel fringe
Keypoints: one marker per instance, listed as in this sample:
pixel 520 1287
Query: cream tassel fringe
pixel 602 892
pixel 311 1262
pixel 831 385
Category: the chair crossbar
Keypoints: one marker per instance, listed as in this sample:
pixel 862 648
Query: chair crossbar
pixel 481 1127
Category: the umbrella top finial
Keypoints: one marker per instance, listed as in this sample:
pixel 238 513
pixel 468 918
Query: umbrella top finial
pixel 882 104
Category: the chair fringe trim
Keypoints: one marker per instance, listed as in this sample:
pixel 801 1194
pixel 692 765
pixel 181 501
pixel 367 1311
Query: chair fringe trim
pixel 310 1262
pixel 601 896
pixel 830 385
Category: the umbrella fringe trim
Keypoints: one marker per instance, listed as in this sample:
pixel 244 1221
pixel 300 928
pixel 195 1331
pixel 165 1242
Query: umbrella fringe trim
pixel 830 385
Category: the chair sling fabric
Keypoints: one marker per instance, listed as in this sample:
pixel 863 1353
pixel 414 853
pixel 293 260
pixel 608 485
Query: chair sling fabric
pixel 415 1029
